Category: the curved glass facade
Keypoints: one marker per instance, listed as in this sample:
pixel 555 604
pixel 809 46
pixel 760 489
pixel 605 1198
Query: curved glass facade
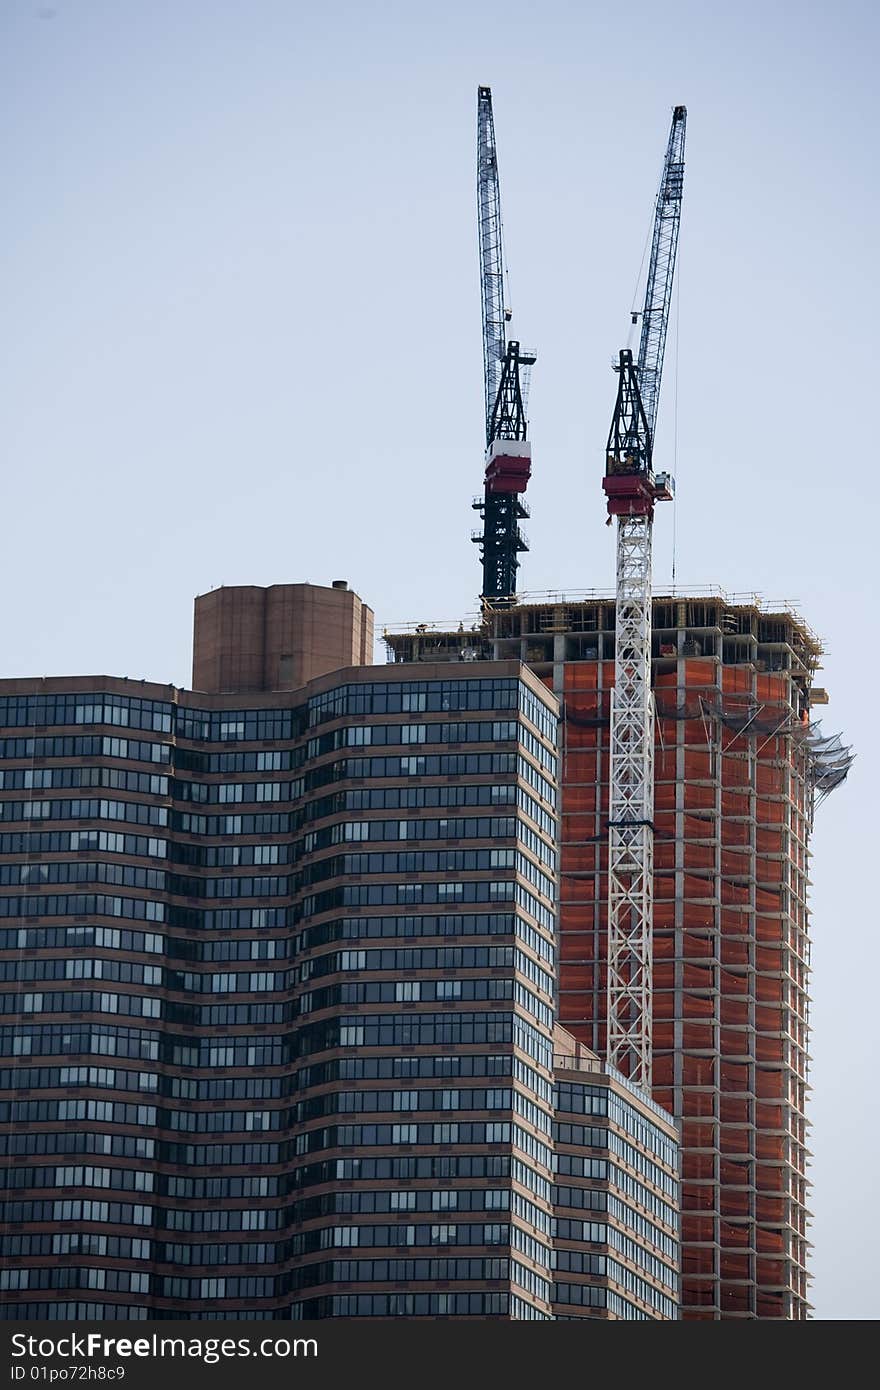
pixel 278 1039
pixel 277 1034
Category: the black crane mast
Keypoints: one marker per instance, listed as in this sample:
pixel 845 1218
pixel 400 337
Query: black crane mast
pixel 506 369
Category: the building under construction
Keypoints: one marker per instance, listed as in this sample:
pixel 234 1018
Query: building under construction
pixel 689 769
pixel 739 767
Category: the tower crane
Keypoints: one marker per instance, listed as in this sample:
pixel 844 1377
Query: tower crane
pixel 506 372
pixel 632 488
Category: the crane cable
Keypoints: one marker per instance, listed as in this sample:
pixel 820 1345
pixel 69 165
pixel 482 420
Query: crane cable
pixel 636 314
pixel 675 408
pixel 638 296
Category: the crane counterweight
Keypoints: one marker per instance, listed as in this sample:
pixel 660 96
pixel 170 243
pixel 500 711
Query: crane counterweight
pixel 630 484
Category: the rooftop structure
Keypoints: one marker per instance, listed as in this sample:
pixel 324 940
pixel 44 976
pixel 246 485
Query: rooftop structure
pixel 247 638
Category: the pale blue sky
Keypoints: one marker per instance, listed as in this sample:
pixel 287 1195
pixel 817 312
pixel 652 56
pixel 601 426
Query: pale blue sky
pixel 241 344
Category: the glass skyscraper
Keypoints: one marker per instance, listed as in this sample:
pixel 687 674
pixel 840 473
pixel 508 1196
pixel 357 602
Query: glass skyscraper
pixel 279 998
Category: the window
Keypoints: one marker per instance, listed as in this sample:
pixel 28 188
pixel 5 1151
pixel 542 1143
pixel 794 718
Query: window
pixel 446 1200
pixel 403 1201
pixel 444 1235
pixel 448 989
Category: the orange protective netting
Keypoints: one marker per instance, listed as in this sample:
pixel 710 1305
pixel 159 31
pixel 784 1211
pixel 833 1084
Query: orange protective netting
pixel 724 985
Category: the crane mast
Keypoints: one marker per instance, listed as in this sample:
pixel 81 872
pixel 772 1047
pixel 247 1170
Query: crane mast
pixel 506 369
pixel 632 488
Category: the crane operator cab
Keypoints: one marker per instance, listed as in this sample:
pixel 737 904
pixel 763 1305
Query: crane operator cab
pixel 630 484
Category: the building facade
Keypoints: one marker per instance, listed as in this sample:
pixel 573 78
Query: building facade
pixel 279 999
pixel 739 768
pixel 616 1196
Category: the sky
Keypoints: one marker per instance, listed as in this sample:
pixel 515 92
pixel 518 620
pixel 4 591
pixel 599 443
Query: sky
pixel 241 345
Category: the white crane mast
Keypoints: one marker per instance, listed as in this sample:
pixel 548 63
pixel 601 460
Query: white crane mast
pixel 631 811
pixel 632 488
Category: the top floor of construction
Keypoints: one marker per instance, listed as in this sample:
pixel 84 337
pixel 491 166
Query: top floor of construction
pixel 545 629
